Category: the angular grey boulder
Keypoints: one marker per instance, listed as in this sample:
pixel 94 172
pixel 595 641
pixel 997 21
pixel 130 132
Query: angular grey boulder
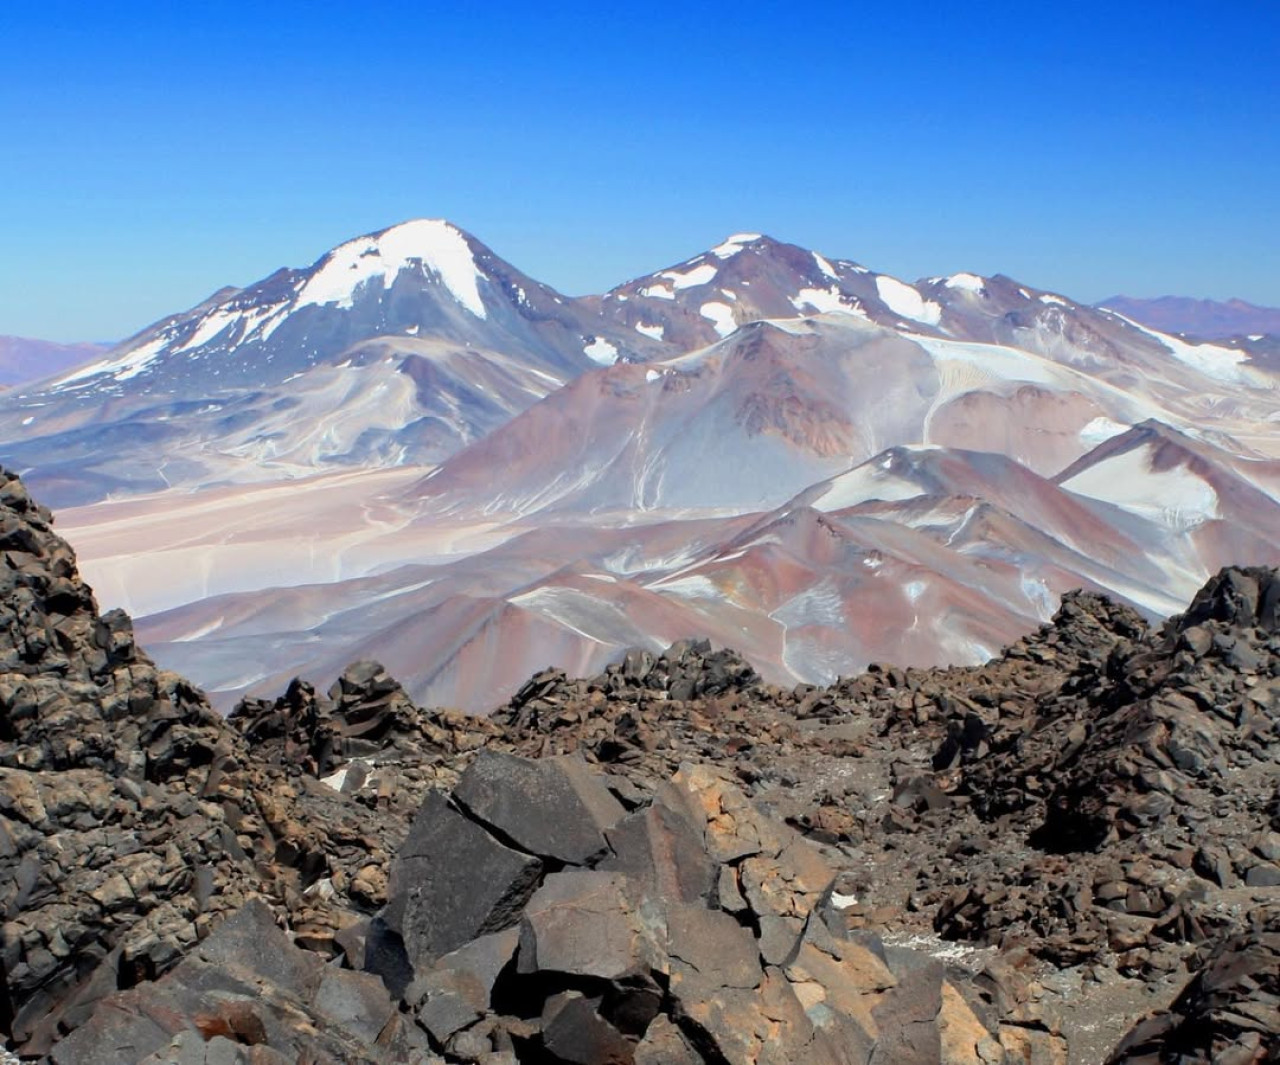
pixel 452 881
pixel 583 923
pixel 247 994
pixel 555 807
pixel 456 991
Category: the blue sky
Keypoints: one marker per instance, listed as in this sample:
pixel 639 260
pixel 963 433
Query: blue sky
pixel 153 152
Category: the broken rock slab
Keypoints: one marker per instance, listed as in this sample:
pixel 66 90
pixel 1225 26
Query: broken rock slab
pixel 249 985
pixel 452 881
pixel 555 808
pixel 585 923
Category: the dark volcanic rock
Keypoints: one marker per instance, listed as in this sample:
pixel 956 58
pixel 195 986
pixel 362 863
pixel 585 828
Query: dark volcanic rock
pixel 611 966
pixel 1230 1012
pixel 452 881
pixel 553 808
pixel 249 985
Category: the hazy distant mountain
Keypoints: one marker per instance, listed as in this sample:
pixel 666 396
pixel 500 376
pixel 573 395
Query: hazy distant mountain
pixel 1212 319
pixel 23 359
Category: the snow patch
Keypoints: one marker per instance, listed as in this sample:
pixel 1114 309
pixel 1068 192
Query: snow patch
pixel 652 375
pixel 819 605
pixel 719 315
pixel 658 292
pixel 601 351
pixel 213 324
pixel 699 275
pixel 1056 301
pixel 825 267
pixel 125 366
pixel 1174 497
pixel 1101 430
pixel 865 483
pixel 994 361
pixel 734 244
pixel 695 586
pixel 906 302
pixel 653 332
pixel 1219 363
pixel 966 283
pixel 824 301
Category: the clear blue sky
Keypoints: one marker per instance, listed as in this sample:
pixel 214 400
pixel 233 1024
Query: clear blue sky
pixel 153 152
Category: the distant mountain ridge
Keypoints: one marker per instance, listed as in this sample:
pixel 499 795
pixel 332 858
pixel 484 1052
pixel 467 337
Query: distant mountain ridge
pixel 413 451
pixel 1211 319
pixel 408 345
pixel 25 359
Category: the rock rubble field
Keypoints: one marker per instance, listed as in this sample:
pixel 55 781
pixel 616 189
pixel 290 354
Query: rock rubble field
pixel 1070 854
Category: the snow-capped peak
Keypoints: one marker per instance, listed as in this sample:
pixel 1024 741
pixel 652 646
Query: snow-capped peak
pixel 434 243
pixel 734 244
pixel 966 282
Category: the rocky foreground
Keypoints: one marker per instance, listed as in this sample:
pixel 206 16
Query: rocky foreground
pixel 1070 854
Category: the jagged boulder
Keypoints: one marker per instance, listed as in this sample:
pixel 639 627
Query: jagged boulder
pixel 552 807
pixel 706 935
pixel 453 881
pixel 1228 1015
pixel 263 998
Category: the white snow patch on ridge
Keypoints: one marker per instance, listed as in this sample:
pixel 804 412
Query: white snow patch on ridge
pixel 699 275
pixel 966 282
pixel 906 302
pixel 129 364
pixel 1175 497
pixel 214 323
pixel 434 243
pixel 694 586
pixel 734 244
pixel 864 483
pixel 719 315
pixel 1222 364
pixel 824 301
pixel 825 267
pixel 994 362
pixel 1101 430
pixel 653 332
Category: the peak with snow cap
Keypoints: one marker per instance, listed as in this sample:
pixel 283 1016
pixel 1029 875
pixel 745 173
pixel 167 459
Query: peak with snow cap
pixel 432 245
pixel 407 344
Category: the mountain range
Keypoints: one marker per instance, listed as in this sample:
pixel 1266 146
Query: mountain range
pixel 1212 319
pixel 23 359
pixel 414 450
